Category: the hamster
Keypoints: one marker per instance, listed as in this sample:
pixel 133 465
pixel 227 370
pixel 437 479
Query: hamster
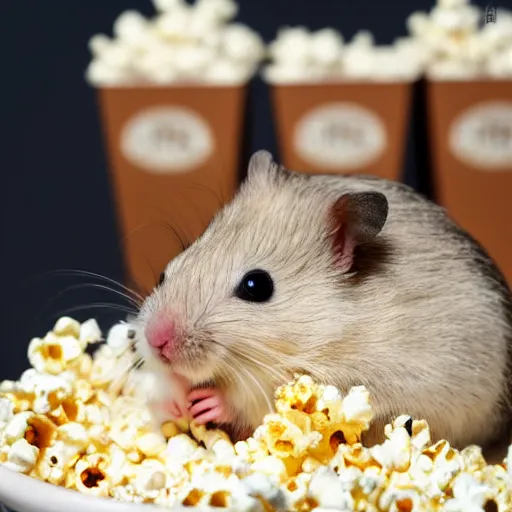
pixel 352 280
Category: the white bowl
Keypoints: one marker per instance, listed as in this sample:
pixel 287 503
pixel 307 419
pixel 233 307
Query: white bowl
pixel 22 493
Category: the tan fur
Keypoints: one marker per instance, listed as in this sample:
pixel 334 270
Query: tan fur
pixel 422 321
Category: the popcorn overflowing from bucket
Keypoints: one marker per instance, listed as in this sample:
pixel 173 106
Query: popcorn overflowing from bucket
pixel 464 42
pixel 76 421
pixel 455 40
pixel 301 56
pixel 183 43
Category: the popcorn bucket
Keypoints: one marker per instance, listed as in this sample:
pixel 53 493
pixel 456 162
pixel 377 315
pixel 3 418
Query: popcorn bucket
pixel 174 158
pixel 343 127
pixel 471 134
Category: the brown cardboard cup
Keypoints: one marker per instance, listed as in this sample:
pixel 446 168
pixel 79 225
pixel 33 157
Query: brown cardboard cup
pixel 343 128
pixel 173 155
pixel 471 136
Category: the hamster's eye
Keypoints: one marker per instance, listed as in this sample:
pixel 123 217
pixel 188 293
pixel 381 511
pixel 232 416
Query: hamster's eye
pixel 256 286
pixel 161 279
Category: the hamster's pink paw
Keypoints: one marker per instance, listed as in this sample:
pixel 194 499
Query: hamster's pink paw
pixel 170 409
pixel 174 408
pixel 207 405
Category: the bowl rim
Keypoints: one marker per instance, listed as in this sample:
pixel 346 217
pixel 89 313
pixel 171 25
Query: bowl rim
pixel 23 493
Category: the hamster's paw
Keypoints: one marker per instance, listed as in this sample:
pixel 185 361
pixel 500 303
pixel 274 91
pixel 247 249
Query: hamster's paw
pixel 168 410
pixel 173 408
pixel 208 405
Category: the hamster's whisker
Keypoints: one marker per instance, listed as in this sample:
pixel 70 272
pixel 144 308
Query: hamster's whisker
pixel 204 310
pixel 220 322
pixel 200 186
pixel 131 300
pixel 267 355
pixel 97 305
pixel 87 273
pixel 238 377
pixel 137 364
pixel 273 371
pixel 258 386
pixel 178 233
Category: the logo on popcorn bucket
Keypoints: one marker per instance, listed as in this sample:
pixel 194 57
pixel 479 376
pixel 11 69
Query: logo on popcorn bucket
pixel 481 136
pixel 166 140
pixel 340 136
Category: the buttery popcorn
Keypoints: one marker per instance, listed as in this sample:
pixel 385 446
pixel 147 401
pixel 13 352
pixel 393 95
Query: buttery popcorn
pixel 459 43
pixel 182 43
pixel 88 427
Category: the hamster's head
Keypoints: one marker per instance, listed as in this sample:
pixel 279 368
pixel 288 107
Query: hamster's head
pixel 263 284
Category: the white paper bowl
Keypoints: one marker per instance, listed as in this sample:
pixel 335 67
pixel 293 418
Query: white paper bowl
pixel 22 493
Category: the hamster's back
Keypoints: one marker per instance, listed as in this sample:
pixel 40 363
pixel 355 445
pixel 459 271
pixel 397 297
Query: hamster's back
pixel 434 310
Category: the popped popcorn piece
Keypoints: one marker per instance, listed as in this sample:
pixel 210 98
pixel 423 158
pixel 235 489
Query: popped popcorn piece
pixel 400 495
pixel 150 479
pixel 98 472
pixel 395 452
pixel 259 486
pixel 357 413
pixel 469 495
pixel 181 448
pixel 56 462
pixel 53 353
pixel 36 429
pixel 67 326
pixel 271 466
pixel 119 338
pixel 6 412
pixel 150 444
pixel 90 333
pixel 22 456
pixel 284 438
pixel 183 42
pixel 328 492
pixel 240 43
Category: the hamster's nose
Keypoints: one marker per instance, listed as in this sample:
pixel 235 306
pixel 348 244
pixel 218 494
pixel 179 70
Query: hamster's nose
pixel 161 336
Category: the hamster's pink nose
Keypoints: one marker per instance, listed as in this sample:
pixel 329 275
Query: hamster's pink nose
pixel 161 335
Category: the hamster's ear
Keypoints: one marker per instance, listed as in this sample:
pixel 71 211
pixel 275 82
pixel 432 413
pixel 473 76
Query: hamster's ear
pixel 356 218
pixel 262 167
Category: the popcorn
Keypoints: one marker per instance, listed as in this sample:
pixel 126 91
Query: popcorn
pixel 468 495
pixel 457 46
pixel 67 326
pixel 300 56
pixel 150 479
pixel 56 462
pixel 242 44
pixel 6 412
pixel 150 444
pixel 53 353
pixel 90 333
pixel 195 43
pixel 448 43
pixel 119 339
pixel 88 428
pixel 91 474
pixel 395 452
pixel 22 456
pixel 284 438
pixel 326 489
pixel 131 28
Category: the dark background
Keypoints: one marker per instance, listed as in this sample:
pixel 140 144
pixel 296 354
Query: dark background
pixel 57 211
